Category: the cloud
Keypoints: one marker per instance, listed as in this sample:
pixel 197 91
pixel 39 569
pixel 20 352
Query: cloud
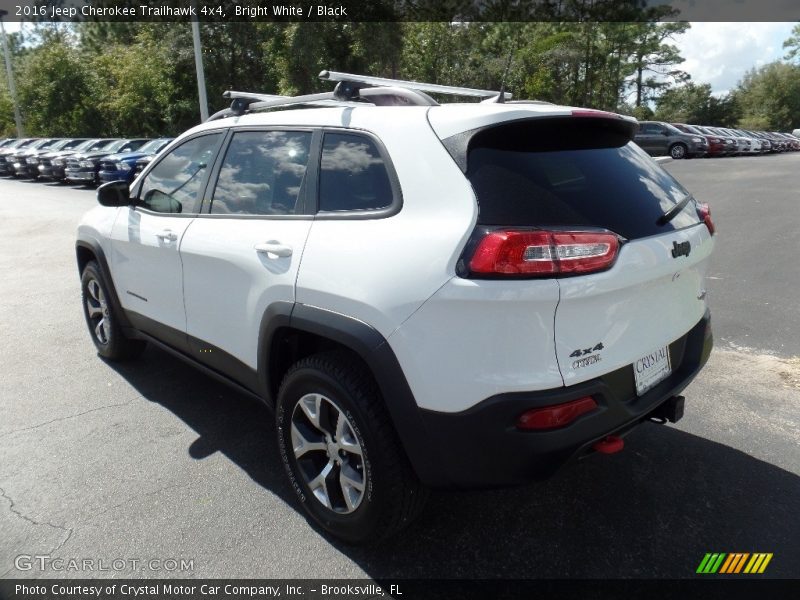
pixel 721 53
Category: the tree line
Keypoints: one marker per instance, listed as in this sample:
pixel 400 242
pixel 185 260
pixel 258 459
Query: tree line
pixel 138 79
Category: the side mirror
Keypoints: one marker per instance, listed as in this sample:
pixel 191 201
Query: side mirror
pixel 114 193
pixel 664 132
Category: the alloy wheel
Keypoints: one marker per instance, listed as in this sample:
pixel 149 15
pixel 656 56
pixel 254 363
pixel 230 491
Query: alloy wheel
pixel 329 455
pixel 97 309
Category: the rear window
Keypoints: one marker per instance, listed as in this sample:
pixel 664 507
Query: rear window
pixel 571 173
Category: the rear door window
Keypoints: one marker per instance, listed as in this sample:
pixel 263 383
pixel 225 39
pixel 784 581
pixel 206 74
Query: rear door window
pixel 571 173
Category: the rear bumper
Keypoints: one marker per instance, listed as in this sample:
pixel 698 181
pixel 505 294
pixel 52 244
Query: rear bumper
pixel 481 447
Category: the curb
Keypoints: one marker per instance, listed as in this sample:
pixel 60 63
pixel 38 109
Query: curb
pixel 662 159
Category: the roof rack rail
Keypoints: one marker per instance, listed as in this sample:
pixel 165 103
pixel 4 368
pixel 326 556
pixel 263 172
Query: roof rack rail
pixel 352 89
pixel 433 88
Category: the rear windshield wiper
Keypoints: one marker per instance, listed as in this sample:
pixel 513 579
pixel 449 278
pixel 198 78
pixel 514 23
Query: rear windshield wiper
pixel 674 211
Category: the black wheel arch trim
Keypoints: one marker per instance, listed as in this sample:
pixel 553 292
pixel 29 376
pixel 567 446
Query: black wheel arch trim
pixel 100 257
pixel 375 351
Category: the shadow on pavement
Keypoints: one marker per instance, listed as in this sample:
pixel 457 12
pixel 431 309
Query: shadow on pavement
pixel 652 510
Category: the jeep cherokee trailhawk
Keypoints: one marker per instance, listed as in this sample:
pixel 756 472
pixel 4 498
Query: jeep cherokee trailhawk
pixel 458 295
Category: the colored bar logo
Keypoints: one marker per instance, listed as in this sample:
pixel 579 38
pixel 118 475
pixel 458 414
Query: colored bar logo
pixel 734 563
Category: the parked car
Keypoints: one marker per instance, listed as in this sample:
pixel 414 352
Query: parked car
pixel 15 160
pixel 754 142
pixel 766 144
pixel 658 138
pixel 484 293
pixel 5 143
pixel 84 167
pixel 28 165
pixel 52 164
pixel 731 147
pixel 716 145
pixel 793 143
pixel 9 149
pixel 778 142
pixel 117 167
pixel 141 164
pixel 796 133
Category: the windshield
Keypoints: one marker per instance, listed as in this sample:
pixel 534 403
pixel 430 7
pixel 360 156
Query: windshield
pixel 152 146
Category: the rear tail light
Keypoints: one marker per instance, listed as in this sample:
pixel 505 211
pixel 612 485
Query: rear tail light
pixel 543 253
pixel 704 212
pixel 553 417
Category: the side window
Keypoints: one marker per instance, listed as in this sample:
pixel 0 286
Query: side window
pixel 172 186
pixel 262 173
pixel 352 174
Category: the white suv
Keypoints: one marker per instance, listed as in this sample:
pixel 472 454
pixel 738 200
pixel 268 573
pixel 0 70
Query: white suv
pixel 457 295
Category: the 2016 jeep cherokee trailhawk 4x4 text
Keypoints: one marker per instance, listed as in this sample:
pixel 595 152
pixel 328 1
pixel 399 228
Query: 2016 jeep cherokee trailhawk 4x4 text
pixel 456 295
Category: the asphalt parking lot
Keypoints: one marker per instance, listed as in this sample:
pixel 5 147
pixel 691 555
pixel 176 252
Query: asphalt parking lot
pixel 153 460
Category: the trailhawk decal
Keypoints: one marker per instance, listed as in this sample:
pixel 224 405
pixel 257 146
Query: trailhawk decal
pixel 587 357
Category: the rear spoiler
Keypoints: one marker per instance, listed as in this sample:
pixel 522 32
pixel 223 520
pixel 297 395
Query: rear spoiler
pixel 558 132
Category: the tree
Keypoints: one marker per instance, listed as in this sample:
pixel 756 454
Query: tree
pixel 654 59
pixel 7 124
pixel 296 52
pixel 694 103
pixel 135 88
pixel 793 44
pixel 771 95
pixel 56 90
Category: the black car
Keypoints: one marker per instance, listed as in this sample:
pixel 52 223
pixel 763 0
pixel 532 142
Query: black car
pixel 29 167
pixel 17 165
pixel 7 151
pixel 84 167
pixel 51 164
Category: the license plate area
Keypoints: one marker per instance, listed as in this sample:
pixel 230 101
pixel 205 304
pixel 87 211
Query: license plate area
pixel 651 369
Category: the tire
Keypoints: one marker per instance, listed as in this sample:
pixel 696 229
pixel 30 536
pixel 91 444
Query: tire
pixel 102 321
pixel 677 151
pixel 331 403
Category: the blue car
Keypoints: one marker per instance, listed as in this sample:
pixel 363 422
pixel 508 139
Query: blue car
pixel 122 167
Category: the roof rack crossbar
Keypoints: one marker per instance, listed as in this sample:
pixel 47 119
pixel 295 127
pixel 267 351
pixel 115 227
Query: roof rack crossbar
pixel 414 85
pixel 254 97
pixel 251 101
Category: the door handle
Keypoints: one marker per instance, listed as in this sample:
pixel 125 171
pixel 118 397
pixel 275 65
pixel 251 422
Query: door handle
pixel 167 235
pixel 273 247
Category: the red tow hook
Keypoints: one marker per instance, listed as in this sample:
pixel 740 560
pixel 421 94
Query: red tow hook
pixel 611 444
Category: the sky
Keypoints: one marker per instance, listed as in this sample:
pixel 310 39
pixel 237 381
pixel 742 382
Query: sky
pixel 715 53
pixel 721 53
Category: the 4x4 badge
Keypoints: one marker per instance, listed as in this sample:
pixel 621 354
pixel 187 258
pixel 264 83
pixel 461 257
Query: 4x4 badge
pixel 682 249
